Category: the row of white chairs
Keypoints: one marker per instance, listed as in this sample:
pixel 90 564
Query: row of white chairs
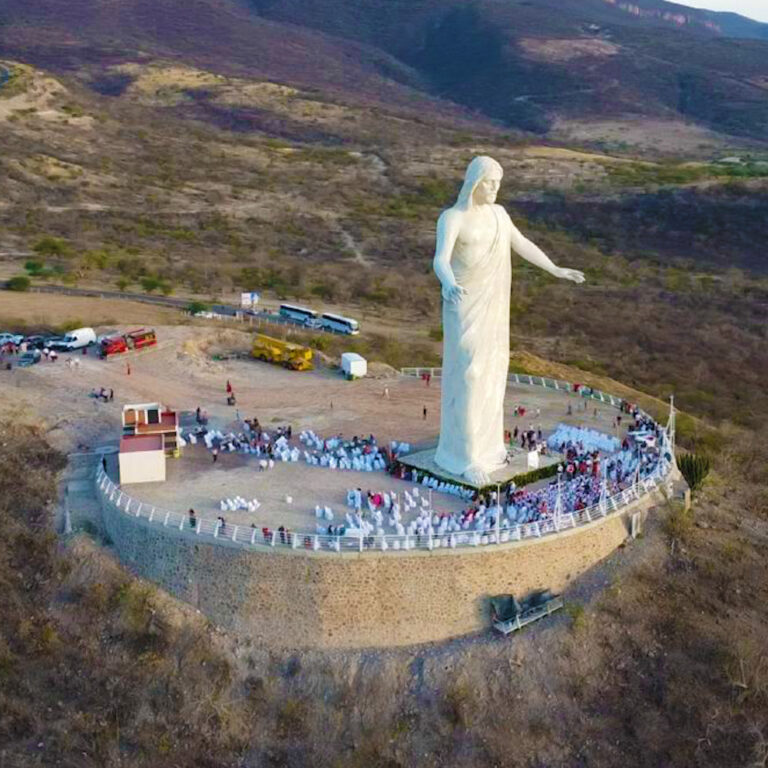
pixel 238 503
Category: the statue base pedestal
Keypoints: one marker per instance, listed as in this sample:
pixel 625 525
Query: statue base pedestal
pixel 424 461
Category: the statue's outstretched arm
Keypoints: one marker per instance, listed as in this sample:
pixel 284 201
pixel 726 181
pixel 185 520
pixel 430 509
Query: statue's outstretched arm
pixel 532 253
pixel 448 226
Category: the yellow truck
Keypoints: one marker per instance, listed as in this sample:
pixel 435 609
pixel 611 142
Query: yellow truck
pixel 284 353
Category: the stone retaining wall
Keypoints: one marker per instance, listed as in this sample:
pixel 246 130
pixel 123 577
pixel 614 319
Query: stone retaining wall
pixel 296 598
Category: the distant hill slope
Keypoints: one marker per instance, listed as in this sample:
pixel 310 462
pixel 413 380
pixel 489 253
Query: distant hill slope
pixel 216 34
pixel 530 64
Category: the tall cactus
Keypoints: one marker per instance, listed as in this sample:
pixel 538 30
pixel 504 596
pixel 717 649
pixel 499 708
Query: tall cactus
pixel 695 469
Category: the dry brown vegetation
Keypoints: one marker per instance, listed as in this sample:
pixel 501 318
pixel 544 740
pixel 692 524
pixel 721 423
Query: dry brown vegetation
pixel 661 660
pixel 661 656
pixel 336 206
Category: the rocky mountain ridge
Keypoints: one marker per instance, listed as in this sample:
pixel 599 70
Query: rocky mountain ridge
pixel 540 66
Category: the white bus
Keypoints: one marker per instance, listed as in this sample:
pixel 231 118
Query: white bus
pixel 339 324
pixel 299 314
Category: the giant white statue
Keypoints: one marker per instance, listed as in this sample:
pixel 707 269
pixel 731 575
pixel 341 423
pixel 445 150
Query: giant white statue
pixel 473 263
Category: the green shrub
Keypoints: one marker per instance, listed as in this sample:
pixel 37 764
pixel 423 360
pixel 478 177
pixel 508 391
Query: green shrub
pixel 35 268
pixel 19 283
pixel 678 524
pixel 95 259
pixel 535 475
pixel 695 468
pixel 150 283
pixel 194 307
pixel 52 246
pixel 577 615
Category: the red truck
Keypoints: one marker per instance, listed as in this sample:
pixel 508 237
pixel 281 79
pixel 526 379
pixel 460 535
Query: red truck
pixel 138 339
pixel 113 345
pixel 141 338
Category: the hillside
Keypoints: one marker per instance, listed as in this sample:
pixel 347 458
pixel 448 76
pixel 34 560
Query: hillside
pixel 658 659
pixel 84 36
pixel 300 196
pixel 535 63
pixel 200 149
pixel 540 66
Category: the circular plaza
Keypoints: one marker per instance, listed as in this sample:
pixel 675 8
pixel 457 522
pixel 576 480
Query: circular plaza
pixel 284 487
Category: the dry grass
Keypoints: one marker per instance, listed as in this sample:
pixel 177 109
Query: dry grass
pixel 665 667
pixel 39 310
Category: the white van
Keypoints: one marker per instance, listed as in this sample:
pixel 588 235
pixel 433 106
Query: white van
pixel 77 339
pixel 353 365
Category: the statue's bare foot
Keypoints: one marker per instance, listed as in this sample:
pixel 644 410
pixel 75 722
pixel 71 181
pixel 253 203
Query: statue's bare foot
pixel 477 476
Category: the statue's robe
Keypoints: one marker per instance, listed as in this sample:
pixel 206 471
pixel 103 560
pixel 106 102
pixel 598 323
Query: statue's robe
pixel 476 354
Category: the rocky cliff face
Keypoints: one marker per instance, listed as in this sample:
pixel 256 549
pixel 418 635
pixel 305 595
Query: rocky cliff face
pixel 669 16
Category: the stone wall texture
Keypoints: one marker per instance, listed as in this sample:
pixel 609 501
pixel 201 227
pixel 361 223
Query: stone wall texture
pixel 300 599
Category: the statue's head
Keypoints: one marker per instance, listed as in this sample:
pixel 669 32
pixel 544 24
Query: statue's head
pixel 481 183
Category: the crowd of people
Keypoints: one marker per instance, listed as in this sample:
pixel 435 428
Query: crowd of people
pixel 103 394
pixel 566 437
pixel 253 440
pixel 9 350
pixel 594 466
pixel 361 454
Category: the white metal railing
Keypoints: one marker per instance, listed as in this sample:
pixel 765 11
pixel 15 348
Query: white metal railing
pixel 265 537
pixel 535 381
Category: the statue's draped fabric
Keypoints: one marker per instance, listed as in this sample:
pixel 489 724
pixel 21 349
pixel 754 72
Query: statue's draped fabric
pixel 476 356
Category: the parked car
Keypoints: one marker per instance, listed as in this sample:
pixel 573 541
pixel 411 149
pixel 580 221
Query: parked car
pixel 10 338
pixel 35 342
pixel 30 357
pixel 51 341
pixel 41 340
pixel 77 339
